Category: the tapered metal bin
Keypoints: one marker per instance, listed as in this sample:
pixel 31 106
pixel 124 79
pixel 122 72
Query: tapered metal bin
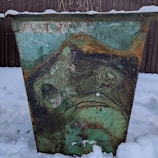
pixel 80 74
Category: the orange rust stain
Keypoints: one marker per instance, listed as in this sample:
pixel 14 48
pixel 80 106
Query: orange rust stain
pixel 26 74
pixel 90 46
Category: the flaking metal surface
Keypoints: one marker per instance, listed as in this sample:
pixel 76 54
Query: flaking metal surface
pixel 80 73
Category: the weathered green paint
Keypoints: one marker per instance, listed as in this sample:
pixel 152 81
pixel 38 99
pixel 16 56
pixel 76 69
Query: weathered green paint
pixel 116 35
pixel 80 74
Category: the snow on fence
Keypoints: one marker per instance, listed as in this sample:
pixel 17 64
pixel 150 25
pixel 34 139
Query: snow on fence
pixel 8 49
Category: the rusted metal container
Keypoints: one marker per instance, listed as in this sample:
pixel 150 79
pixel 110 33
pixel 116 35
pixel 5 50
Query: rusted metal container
pixel 80 73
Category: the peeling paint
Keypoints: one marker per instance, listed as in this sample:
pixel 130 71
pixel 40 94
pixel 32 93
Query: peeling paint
pixel 80 73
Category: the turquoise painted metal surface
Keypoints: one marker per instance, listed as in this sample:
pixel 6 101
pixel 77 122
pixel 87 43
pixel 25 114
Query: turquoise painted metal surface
pixel 49 41
pixel 80 73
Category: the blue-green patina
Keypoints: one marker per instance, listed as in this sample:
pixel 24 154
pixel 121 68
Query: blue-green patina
pixel 80 74
pixel 34 44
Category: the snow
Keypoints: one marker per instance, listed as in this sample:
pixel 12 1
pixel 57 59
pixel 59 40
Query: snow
pixel 143 9
pixel 16 133
pixel 1 15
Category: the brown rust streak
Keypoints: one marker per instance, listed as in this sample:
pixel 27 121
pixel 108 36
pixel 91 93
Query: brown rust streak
pixel 91 46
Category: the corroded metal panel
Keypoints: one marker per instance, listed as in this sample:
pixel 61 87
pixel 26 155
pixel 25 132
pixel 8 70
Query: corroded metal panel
pixel 8 51
pixel 80 73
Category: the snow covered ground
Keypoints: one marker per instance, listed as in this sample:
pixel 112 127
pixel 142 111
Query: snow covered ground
pixel 16 134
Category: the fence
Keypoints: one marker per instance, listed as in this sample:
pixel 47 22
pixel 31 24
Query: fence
pixel 8 49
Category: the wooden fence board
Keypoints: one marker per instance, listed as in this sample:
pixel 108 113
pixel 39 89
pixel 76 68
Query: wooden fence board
pixel 155 48
pixel 149 48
